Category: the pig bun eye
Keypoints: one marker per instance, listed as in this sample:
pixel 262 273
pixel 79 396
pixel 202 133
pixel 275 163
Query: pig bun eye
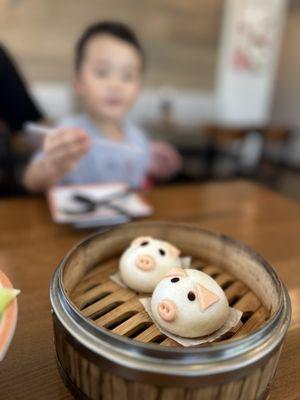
pixel 191 296
pixel 144 243
pixel 162 252
pixel 176 279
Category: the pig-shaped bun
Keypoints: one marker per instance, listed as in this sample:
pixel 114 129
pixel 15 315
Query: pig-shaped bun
pixel 189 303
pixel 146 261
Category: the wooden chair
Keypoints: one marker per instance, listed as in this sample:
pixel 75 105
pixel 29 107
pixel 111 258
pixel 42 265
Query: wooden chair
pixel 222 140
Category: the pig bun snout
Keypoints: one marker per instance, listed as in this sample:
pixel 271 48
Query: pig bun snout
pixel 145 262
pixel 167 310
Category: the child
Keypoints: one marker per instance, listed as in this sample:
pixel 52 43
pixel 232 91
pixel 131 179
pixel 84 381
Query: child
pixel 109 65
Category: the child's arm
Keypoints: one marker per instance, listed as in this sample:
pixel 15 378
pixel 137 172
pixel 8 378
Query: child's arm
pixel 62 150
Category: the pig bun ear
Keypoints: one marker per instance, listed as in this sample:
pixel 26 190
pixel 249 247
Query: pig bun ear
pixel 173 250
pixel 176 272
pixel 206 298
pixel 139 240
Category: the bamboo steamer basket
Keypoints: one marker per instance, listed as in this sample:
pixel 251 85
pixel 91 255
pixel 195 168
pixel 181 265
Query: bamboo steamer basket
pixel 108 348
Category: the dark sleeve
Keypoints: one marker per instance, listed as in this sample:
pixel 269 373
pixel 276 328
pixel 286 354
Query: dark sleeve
pixel 16 104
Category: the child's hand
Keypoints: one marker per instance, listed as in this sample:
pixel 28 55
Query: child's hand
pixel 165 160
pixel 63 149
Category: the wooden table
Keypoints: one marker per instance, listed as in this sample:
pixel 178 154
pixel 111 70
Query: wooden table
pixel 32 246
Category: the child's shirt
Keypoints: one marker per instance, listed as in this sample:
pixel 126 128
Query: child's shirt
pixel 110 164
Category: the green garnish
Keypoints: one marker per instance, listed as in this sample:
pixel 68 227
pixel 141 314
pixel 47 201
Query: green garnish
pixel 6 296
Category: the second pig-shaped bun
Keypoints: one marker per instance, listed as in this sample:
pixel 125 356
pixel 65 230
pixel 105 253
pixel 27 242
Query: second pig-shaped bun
pixel 189 303
pixel 146 261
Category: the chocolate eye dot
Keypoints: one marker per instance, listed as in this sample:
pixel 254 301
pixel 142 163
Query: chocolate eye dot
pixel 144 243
pixel 162 252
pixel 174 279
pixel 191 296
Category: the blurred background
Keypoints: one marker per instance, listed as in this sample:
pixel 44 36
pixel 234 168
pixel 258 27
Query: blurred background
pixel 222 81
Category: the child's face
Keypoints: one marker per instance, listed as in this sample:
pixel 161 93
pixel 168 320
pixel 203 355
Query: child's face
pixel 109 78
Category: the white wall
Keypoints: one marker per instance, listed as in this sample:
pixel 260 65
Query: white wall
pixel 56 99
pixel 190 108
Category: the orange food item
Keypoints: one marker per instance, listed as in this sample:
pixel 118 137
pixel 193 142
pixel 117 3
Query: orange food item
pixel 8 320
